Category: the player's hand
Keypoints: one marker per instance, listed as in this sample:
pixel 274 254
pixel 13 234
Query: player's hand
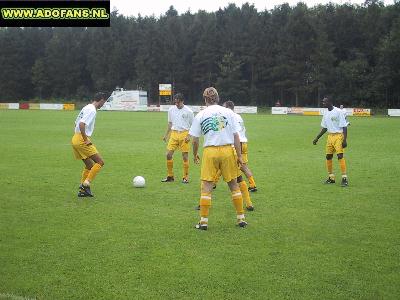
pixel 164 138
pixel 196 159
pixel 88 143
pixel 344 144
pixel 315 141
pixel 187 139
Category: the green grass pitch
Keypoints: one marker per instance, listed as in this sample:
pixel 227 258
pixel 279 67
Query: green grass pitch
pixel 305 240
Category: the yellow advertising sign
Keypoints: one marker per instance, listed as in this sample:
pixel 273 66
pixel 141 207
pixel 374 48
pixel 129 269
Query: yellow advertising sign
pixel 69 106
pixel 166 93
pixel 34 106
pixel 365 112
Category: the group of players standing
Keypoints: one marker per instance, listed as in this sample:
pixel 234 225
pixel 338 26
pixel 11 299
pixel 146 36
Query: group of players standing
pixel 224 148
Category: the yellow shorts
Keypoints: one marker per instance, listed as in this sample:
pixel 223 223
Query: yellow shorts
pixel 221 158
pixel 244 152
pixel 334 143
pixel 177 141
pixel 82 151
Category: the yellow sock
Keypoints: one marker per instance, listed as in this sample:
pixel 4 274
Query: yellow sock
pixel 329 166
pixel 237 200
pixel 252 182
pixel 85 174
pixel 342 164
pixel 93 172
pixel 185 169
pixel 170 166
pixel 245 193
pixel 205 203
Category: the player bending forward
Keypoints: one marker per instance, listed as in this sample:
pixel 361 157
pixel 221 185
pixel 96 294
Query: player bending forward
pixel 83 147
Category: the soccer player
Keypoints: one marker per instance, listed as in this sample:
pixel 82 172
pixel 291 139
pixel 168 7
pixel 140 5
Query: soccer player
pixel 221 131
pixel 180 118
pixel 335 123
pixel 345 113
pixel 244 167
pixel 82 145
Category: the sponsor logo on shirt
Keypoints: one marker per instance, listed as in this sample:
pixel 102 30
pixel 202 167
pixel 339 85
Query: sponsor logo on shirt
pixel 216 122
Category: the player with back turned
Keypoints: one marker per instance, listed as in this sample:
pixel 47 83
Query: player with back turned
pixel 220 130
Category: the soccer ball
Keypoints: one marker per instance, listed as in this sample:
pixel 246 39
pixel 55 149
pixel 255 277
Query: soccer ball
pixel 139 182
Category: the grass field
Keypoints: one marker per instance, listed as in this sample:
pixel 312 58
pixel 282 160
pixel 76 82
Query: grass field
pixel 305 240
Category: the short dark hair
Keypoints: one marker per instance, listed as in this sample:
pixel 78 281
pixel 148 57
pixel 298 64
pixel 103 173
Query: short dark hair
pixel 179 97
pixel 100 96
pixel 229 104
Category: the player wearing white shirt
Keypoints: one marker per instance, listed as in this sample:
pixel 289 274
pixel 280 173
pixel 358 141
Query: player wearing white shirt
pixel 220 130
pixel 334 122
pixel 345 113
pixel 82 145
pixel 244 168
pixel 180 118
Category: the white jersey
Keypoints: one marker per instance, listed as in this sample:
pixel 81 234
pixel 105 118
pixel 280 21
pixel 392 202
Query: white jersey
pixel 242 132
pixel 344 111
pixel 181 119
pixel 334 120
pixel 217 124
pixel 87 116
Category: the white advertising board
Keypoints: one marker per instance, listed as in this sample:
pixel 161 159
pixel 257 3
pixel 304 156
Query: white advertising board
pixel 51 106
pixel 394 112
pixel 13 105
pixel 279 110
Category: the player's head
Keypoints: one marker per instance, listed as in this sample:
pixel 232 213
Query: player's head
pixel 341 106
pixel 178 100
pixel 210 96
pixel 99 99
pixel 229 104
pixel 327 102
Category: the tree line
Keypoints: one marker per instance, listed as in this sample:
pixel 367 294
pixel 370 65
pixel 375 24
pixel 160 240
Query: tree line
pixel 294 54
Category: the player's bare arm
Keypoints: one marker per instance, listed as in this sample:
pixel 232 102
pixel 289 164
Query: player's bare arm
pixel 344 143
pixel 165 138
pixel 323 130
pixel 84 136
pixel 238 148
pixel 196 157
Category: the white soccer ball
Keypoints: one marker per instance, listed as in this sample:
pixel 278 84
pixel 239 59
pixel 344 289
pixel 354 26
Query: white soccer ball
pixel 139 182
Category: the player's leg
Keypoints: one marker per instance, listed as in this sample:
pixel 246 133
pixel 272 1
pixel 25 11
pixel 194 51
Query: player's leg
pixel 185 158
pixel 90 157
pixel 88 166
pixel 209 167
pixel 237 201
pixel 246 170
pixel 205 204
pixel 252 184
pixel 342 162
pixel 245 193
pixel 170 166
pixel 95 169
pixel 230 172
pixel 173 144
pixel 216 179
pixel 330 149
pixel 329 167
pixel 184 146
